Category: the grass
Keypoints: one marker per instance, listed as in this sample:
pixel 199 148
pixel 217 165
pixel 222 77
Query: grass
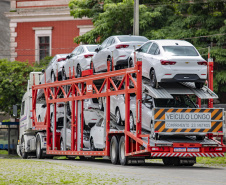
pixel 19 171
pixel 212 161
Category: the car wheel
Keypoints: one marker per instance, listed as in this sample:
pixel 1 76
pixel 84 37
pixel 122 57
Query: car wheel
pixel 153 80
pixel 79 71
pixel 110 60
pixel 131 63
pixel 100 104
pixel 39 118
pixel 92 145
pixel 199 85
pixel 131 121
pixel 114 148
pixel 118 117
pixel 63 75
pixel 61 145
pixel 122 158
pixel 39 151
pixel 22 151
pixel 92 67
pixel 53 78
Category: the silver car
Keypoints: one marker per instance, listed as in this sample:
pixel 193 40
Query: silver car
pixel 120 47
pixel 54 66
pixel 78 61
pixel 171 61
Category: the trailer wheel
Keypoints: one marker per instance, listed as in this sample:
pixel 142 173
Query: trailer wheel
pixel 114 150
pixel 167 161
pixel 39 151
pixel 122 157
pixel 22 151
pixel 118 117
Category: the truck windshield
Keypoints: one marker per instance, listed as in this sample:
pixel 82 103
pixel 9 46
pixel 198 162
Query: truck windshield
pixel 181 101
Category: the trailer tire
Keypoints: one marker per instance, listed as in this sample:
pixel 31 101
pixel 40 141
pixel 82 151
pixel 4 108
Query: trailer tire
pixel 167 161
pixel 39 151
pixel 122 158
pixel 114 150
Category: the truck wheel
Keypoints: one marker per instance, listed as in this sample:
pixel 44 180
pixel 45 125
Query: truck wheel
pixel 22 151
pixel 167 161
pixel 39 151
pixel 118 117
pixel 114 149
pixel 153 80
pixel 199 85
pixel 122 157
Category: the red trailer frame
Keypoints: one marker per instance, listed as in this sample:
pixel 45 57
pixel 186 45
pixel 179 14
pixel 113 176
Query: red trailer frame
pixel 85 88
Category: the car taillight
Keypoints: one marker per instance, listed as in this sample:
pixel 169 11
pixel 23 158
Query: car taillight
pixel 88 55
pixel 60 105
pixel 61 59
pixel 204 63
pixel 165 62
pixel 121 46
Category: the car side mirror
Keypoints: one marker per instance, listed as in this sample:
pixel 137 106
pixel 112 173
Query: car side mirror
pixel 139 50
pixel 97 50
pixel 69 56
pixel 43 71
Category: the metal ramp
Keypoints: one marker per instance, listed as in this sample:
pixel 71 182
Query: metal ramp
pixel 166 90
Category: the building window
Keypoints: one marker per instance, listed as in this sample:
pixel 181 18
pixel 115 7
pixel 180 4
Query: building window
pixel 43 47
pixel 43 42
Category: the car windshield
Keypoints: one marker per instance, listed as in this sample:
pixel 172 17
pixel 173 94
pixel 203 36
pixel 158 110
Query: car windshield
pixel 132 38
pixel 91 48
pixel 181 101
pixel 180 50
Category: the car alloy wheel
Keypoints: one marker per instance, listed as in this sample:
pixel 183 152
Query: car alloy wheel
pixel 153 80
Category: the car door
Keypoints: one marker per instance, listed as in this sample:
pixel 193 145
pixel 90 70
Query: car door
pixel 99 60
pixel 145 58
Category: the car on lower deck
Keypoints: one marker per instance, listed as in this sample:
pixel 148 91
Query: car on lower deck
pixel 119 47
pixel 171 61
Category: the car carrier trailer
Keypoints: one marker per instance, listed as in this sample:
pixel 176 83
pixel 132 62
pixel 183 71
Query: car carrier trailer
pixel 176 130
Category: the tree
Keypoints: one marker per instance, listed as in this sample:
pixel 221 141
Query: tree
pixel 13 83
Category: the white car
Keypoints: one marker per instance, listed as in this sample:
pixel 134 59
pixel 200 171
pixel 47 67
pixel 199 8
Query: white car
pixel 171 61
pixel 120 47
pixel 97 132
pixel 54 66
pixel 79 60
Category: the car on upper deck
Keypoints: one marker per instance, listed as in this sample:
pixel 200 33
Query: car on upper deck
pixel 171 61
pixel 119 47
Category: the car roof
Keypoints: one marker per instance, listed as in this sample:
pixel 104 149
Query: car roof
pixel 172 42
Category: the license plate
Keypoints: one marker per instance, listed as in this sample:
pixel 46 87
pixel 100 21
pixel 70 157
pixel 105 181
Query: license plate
pixel 193 149
pixel 179 149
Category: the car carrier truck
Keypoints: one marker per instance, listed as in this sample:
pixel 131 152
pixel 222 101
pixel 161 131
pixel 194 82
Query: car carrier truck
pixel 177 136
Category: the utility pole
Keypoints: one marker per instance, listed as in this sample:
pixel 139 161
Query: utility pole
pixel 136 18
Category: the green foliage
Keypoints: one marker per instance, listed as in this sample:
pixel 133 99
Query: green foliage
pixel 42 64
pixel 13 82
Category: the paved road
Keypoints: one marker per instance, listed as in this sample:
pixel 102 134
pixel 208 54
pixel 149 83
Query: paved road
pixel 154 173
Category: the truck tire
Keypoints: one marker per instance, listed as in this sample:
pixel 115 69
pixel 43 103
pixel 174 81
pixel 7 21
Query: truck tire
pixel 24 154
pixel 122 158
pixel 114 150
pixel 39 151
